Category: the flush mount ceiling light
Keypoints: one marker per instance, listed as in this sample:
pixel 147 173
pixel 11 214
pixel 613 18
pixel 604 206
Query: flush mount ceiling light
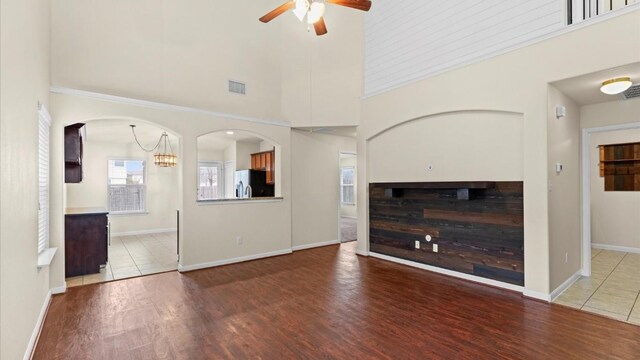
pixel 162 158
pixel 314 11
pixel 616 86
pixel 230 133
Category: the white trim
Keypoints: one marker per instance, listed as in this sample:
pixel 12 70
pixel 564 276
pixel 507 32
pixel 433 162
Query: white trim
pixel 144 232
pixel 564 30
pixel 238 201
pixel 46 256
pixel 616 248
pixel 536 295
pixel 315 245
pixel 586 187
pixel 565 285
pixel 162 106
pixel 362 253
pixel 186 268
pixel 60 289
pixel 456 274
pixel 38 328
pixel 348 217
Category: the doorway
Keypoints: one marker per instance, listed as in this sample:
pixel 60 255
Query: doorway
pixel 348 221
pixel 122 182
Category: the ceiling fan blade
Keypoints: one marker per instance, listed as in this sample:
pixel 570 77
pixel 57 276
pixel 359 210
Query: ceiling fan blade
pixel 363 5
pixel 277 11
pixel 320 27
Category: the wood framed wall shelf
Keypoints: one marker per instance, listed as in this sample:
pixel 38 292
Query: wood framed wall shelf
pixel 620 166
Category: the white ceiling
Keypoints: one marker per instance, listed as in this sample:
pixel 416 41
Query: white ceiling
pixel 220 140
pixel 117 131
pixel 585 89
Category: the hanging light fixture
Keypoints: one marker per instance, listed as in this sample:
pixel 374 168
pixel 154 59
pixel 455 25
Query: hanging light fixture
pixel 162 157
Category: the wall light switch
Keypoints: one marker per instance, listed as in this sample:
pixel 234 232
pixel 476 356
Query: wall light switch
pixel 558 168
pixel 417 244
pixel 435 247
pixel 561 112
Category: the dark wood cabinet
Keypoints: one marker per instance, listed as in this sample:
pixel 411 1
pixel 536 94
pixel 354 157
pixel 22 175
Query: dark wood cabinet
pixel 73 152
pixel 620 166
pixel 86 240
pixel 265 161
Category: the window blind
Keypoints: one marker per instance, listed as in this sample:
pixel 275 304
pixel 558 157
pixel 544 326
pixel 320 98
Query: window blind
pixel 44 126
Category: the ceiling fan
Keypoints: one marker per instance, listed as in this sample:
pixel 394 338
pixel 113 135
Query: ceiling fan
pixel 314 11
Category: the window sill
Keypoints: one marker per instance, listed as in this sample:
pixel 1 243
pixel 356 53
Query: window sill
pixel 129 213
pixel 348 204
pixel 46 257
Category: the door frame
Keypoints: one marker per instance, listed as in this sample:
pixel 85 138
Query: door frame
pixel 586 187
pixel 340 190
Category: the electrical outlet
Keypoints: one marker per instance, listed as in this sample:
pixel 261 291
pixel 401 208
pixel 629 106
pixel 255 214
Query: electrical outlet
pixel 428 238
pixel 417 244
pixel 435 248
pixel 239 240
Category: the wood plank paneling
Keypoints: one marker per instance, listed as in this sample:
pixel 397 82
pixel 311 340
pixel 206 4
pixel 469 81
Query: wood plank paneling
pixel 482 236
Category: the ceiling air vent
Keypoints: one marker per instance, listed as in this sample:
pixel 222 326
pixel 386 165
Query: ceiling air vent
pixel 237 87
pixel 632 92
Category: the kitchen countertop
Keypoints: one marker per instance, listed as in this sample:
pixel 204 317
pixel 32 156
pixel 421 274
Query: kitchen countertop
pixel 86 211
pixel 256 199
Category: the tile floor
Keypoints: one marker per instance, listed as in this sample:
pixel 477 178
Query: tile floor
pixel 613 289
pixel 134 255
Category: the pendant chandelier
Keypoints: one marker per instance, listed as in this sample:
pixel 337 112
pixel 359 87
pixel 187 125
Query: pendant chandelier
pixel 164 157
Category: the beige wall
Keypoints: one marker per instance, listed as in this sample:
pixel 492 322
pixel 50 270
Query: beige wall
pixel 24 80
pixel 162 188
pixel 243 154
pixel 460 146
pixel 350 160
pixel 614 214
pixel 514 82
pixel 610 113
pixel 565 243
pixel 208 232
pixel 315 186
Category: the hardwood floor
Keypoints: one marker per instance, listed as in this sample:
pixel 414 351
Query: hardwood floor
pixel 320 303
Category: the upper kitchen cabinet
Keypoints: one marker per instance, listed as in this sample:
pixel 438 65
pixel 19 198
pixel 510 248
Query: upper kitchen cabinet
pixel 266 161
pixel 73 142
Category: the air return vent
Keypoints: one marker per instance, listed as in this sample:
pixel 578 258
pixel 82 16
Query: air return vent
pixel 632 92
pixel 237 87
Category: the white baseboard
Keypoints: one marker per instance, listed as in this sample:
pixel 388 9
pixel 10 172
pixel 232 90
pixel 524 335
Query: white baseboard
pixel 456 274
pixel 537 295
pixel 616 248
pixel 144 232
pixel 60 289
pixel 362 253
pixel 349 217
pixel 314 245
pixel 186 268
pixel 38 328
pixel 565 285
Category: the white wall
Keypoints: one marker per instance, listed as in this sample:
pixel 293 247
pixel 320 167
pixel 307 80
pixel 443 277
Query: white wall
pixel 350 160
pixel 565 242
pixel 610 113
pixel 514 82
pixel 162 187
pixel 24 80
pixel 243 154
pixel 409 40
pixel 614 214
pixel 315 190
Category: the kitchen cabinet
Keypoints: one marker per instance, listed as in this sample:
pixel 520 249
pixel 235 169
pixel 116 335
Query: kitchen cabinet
pixel 620 166
pixel 266 161
pixel 73 151
pixel 86 240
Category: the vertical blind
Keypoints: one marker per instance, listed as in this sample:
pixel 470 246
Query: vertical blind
pixel 44 125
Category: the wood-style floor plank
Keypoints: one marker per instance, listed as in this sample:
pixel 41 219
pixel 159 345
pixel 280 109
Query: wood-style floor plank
pixel 322 303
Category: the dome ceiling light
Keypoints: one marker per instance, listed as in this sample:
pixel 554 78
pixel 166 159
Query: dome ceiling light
pixel 616 86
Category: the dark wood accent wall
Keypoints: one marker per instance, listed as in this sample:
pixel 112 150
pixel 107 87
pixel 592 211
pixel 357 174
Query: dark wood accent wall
pixel 482 234
pixel 620 166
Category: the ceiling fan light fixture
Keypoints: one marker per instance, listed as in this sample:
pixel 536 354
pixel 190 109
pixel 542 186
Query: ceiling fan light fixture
pixel 316 11
pixel 301 9
pixel 616 86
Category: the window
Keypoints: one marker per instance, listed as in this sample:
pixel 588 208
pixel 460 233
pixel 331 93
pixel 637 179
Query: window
pixel 210 181
pixel 44 125
pixel 127 186
pixel 347 196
